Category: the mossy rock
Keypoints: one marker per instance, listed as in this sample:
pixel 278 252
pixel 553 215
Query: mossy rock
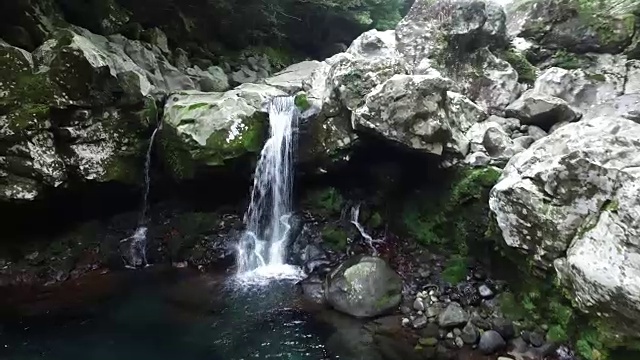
pixel 335 237
pixel 324 202
pixel 209 129
pixel 527 73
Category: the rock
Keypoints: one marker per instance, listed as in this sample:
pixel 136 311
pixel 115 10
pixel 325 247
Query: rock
pixel 290 80
pixel 244 75
pixel 418 305
pixel 485 291
pixel 541 110
pixel 585 88
pixel 632 84
pixel 212 80
pixel 363 286
pixel 434 310
pixel 419 322
pixel 312 290
pixel 568 200
pixel 410 110
pixel 535 132
pixel 431 341
pixel 496 142
pixel 458 342
pixel 406 322
pixel 577 30
pixel 158 38
pixel 451 37
pixel 504 327
pixel 477 159
pixel 491 342
pixel 536 339
pixel 181 59
pixel 430 330
pixel 626 106
pixel 470 334
pixel 205 129
pixel 454 315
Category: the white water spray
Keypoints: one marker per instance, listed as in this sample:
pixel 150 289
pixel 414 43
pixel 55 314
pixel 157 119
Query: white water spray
pixel 138 241
pixel 261 251
pixel 355 216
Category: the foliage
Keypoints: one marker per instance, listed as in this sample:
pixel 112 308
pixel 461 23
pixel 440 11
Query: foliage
pixel 325 202
pixel 458 214
pixel 455 269
pixel 334 237
pixel 527 73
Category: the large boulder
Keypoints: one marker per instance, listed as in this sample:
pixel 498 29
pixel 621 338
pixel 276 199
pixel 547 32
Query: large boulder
pixel 541 110
pixel 577 26
pixel 420 112
pixel 626 106
pixel 454 37
pixel 207 129
pixel 363 286
pixel 570 201
pixel 603 79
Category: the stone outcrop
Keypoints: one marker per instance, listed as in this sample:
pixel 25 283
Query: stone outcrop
pixel 570 201
pixel 207 129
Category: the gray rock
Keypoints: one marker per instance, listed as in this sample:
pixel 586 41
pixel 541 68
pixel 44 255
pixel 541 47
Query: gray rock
pixel 191 118
pixel 485 291
pixel 290 80
pixel 454 315
pixel 181 59
pixel 470 334
pixel 536 339
pixel 558 126
pixel 410 110
pixel 535 132
pixel 244 75
pixel 419 322
pixel 312 290
pixel 434 310
pixel 418 305
pixel 363 286
pixel 632 84
pixel 541 110
pixel 478 159
pixel 522 143
pixel 430 331
pixel 570 200
pixel 626 106
pixel 491 342
pixel 158 38
pixel 504 327
pixel 496 142
pixel 212 80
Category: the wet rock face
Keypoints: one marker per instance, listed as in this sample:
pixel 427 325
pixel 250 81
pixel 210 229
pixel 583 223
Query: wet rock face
pixel 363 286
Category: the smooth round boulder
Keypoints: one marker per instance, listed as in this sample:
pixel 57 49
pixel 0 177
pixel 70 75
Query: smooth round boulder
pixel 363 286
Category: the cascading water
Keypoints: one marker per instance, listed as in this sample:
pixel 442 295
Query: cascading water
pixel 355 216
pixel 262 248
pixel 138 241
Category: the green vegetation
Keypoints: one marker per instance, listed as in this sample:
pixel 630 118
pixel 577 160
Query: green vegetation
pixel 302 102
pixel 455 269
pixel 335 237
pixel 527 73
pixel 325 202
pixel 456 216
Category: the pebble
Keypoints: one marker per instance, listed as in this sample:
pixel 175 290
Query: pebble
pixel 504 327
pixel 459 342
pixel 406 322
pixel 536 339
pixel 454 315
pixel 469 334
pixel 485 292
pixel 420 322
pixel 418 305
pixel 457 332
pixel 450 335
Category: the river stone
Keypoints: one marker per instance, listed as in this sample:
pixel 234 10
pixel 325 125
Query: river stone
pixel 490 342
pixel 570 201
pixel 541 110
pixel 363 286
pixel 206 129
pixel 419 112
pixel 504 327
pixel 454 315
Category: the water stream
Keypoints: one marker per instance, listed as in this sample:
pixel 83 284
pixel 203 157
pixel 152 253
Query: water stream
pixel 355 216
pixel 138 241
pixel 261 252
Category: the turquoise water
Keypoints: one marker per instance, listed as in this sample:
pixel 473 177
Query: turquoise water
pixel 172 318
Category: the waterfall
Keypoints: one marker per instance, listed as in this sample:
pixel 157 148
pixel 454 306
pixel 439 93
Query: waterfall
pixel 355 216
pixel 138 241
pixel 262 247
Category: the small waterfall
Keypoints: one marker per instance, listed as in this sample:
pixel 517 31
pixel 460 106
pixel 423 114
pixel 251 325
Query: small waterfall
pixel 138 241
pixel 262 248
pixel 355 216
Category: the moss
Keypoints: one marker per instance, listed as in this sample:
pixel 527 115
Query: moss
pixel 568 60
pixel 325 202
pixel 597 77
pixel 222 145
pixel 457 217
pixel 375 220
pixel 335 237
pixel 455 270
pixel 302 102
pixel 175 155
pixel 527 73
